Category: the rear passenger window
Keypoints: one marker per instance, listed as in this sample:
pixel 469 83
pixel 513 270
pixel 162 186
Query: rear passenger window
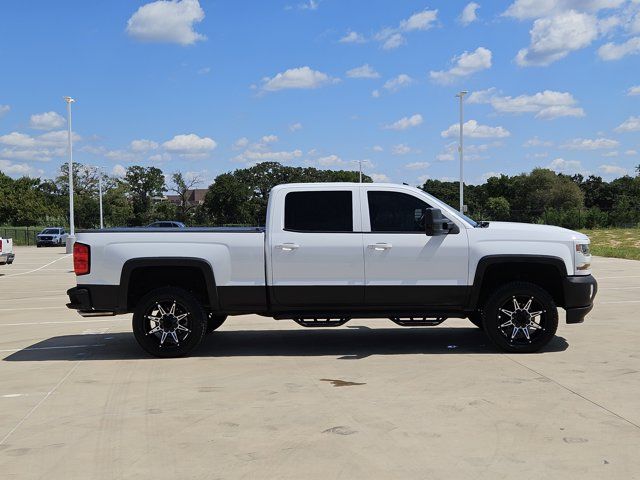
pixel 396 212
pixel 318 211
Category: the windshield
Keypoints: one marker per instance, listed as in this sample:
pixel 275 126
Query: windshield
pixel 51 231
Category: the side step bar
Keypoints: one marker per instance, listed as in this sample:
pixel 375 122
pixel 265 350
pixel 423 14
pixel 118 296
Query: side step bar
pixel 417 321
pixel 321 322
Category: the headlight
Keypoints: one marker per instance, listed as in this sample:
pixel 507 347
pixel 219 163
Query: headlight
pixel 583 258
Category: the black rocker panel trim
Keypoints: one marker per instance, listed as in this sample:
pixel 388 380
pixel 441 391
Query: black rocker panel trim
pixel 490 260
pixel 131 265
pixel 417 295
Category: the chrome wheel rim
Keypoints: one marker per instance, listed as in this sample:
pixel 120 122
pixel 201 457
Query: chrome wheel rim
pixel 169 322
pixel 521 319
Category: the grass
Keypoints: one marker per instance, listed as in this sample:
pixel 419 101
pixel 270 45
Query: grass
pixel 615 242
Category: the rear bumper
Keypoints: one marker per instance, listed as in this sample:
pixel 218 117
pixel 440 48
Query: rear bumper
pixel 579 292
pixel 93 300
pixel 7 258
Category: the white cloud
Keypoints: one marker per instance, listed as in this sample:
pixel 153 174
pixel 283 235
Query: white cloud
pixel 377 148
pixel 393 41
pixel 469 14
pixel 420 21
pixel 294 127
pixel 547 105
pixel 118 171
pixel 561 165
pixel 19 169
pixel 613 153
pixel 445 157
pixel 309 5
pixel 487 175
pixel 204 70
pixel 405 122
pixel 631 124
pixel 613 170
pixel 143 145
pixel 401 149
pixel 464 65
pixel 44 147
pixel 616 51
pixel 396 83
pixel 47 121
pixel 417 165
pixel 392 38
pixel 364 71
pixel 190 145
pixel 256 156
pixel 4 109
pixel 590 144
pixel 121 156
pixel 536 142
pixel 375 93
pixel 165 157
pixel 635 90
pixel 302 78
pixel 353 37
pixel 380 177
pixel 242 142
pixel 169 21
pixel 631 152
pixel 473 129
pixel 528 9
pixel 553 38
pixel 330 161
pixel 268 139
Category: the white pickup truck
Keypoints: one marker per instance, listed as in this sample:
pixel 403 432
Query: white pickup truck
pixel 6 251
pixel 331 252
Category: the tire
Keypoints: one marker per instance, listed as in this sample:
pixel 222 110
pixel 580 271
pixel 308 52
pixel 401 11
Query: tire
pixel 167 334
pixel 214 322
pixel 476 319
pixel 508 321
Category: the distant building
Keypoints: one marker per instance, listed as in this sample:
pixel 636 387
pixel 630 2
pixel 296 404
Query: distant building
pixel 194 197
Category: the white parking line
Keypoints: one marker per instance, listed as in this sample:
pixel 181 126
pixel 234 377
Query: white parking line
pixel 35 269
pixel 618 301
pixel 67 322
pixel 37 405
pixel 621 276
pixel 53 348
pixel 31 308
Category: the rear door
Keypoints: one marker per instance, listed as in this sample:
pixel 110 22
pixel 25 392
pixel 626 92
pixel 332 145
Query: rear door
pixel 403 266
pixel 316 249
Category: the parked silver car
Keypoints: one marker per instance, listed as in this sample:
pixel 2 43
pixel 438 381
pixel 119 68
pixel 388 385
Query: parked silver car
pixel 52 237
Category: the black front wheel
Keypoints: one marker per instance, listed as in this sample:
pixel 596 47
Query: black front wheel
pixel 520 317
pixel 169 322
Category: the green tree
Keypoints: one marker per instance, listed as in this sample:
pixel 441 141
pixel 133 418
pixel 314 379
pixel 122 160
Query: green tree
pixel 498 208
pixel 182 187
pixel 144 184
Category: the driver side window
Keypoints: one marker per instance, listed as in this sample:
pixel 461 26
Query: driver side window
pixel 396 212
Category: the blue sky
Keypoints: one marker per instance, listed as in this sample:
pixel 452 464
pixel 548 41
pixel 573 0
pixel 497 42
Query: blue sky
pixel 206 87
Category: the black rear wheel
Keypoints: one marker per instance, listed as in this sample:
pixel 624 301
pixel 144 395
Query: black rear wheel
pixel 169 322
pixel 520 317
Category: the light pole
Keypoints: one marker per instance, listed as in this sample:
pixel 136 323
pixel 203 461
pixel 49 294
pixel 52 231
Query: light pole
pixel 461 95
pixel 99 169
pixel 72 232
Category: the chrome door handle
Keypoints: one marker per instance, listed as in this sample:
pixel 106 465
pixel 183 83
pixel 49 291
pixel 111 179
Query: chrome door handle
pixel 379 247
pixel 288 247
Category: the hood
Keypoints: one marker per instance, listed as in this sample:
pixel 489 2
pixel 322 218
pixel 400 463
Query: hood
pixel 532 231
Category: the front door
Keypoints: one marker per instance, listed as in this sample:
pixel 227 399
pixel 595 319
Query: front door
pixel 403 266
pixel 317 256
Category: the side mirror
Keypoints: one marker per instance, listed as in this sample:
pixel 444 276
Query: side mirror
pixel 434 223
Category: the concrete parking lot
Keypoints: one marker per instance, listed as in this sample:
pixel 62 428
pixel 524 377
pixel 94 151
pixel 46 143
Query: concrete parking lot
pixel 266 399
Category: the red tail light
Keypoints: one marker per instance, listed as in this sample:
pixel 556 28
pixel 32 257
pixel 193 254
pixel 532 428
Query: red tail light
pixel 81 258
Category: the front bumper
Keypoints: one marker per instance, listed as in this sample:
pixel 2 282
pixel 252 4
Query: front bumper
pixel 49 242
pixel 579 292
pixel 80 299
pixel 7 258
